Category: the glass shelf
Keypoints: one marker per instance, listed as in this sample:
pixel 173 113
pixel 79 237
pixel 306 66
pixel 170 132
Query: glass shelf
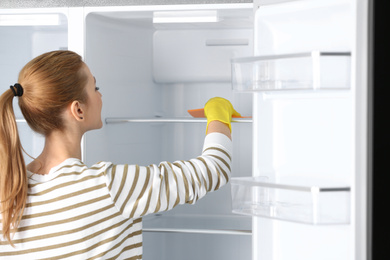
pixel 299 71
pixel 297 200
pixel 112 120
pixel 214 225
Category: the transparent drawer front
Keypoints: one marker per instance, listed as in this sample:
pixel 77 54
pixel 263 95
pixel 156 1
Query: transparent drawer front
pixel 302 71
pixel 310 204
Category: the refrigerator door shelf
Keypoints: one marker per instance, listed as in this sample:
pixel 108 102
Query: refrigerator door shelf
pixel 111 120
pixel 310 203
pixel 298 71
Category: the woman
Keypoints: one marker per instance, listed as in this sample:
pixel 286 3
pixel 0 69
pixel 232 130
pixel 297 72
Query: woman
pixel 57 207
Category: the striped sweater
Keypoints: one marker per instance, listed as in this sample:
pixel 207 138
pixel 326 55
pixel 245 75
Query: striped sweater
pixel 80 212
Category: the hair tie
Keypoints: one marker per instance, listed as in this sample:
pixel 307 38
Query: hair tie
pixel 17 89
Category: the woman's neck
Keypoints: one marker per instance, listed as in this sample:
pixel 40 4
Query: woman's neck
pixel 59 146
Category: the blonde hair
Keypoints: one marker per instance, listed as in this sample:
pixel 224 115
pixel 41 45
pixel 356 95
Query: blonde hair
pixel 50 83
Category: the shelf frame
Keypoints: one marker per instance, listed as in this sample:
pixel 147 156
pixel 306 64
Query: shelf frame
pixel 121 120
pixel 199 231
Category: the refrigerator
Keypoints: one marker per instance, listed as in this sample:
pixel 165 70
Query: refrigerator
pixel 298 70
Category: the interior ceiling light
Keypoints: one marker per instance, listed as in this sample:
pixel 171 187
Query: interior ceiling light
pixel 185 17
pixel 29 19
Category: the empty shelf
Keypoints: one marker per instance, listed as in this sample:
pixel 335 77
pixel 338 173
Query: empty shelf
pixel 296 200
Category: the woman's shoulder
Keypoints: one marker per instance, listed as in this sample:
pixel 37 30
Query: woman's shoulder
pixel 70 169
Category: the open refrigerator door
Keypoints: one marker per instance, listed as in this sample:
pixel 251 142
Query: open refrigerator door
pixel 307 193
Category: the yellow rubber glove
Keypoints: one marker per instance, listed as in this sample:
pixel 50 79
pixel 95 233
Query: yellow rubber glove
pixel 220 109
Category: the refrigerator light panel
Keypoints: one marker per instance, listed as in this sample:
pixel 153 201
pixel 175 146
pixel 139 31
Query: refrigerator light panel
pixel 29 19
pixel 185 17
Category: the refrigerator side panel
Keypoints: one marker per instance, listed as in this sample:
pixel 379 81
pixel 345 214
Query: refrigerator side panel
pixel 18 45
pixel 119 56
pixel 364 137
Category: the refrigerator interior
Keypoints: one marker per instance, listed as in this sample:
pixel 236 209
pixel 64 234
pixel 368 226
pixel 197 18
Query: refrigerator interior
pixel 305 133
pixel 148 72
pixel 25 35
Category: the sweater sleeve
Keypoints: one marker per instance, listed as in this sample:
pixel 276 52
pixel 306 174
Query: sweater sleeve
pixel 141 190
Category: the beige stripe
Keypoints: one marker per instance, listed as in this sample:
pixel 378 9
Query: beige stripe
pixel 31 185
pixel 217 169
pixel 193 184
pixel 146 183
pixel 218 149
pixel 108 240
pixel 67 232
pixel 80 192
pixel 198 180
pixel 77 172
pixel 78 205
pixel 149 193
pixel 53 223
pixel 166 178
pixel 113 171
pixel 186 186
pixel 130 193
pixel 70 166
pixel 177 185
pixel 210 177
pixel 193 188
pixel 81 240
pixel 224 173
pixel 62 185
pixel 158 205
pixel 123 181
pixel 222 160
pixel 196 173
pixel 128 248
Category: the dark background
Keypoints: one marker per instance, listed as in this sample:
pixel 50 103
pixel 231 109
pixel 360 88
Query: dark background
pixel 381 132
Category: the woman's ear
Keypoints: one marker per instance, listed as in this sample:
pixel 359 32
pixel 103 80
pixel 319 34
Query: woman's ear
pixel 76 109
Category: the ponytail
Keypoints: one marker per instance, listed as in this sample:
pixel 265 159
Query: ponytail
pixel 13 175
pixel 48 84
